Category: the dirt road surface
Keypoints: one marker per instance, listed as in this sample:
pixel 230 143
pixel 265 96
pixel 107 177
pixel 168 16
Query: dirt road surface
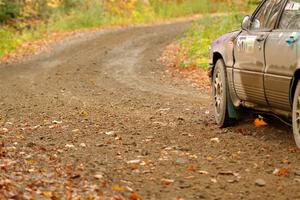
pixel 100 117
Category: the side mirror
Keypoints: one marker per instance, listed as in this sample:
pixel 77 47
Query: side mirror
pixel 256 24
pixel 246 23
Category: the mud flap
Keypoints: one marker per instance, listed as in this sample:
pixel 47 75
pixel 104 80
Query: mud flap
pixel 232 111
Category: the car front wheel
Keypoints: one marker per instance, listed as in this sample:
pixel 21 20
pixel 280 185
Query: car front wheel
pixel 296 115
pixel 219 93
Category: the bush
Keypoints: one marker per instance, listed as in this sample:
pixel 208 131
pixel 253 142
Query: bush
pixel 8 9
pixel 8 41
pixel 195 43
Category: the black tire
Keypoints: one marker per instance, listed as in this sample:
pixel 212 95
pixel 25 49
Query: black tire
pixel 220 94
pixel 296 115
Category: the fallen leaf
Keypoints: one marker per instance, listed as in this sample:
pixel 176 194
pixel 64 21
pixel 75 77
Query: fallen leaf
pixel 56 122
pixel 110 133
pixel 69 146
pixel 117 198
pixel 128 189
pixel 54 126
pixel 259 122
pixel 118 188
pixel 133 161
pixel 191 169
pixel 47 194
pixel 84 113
pixel 281 172
pixel 167 181
pixel 217 140
pixel 98 176
pixel 203 172
pixel 135 196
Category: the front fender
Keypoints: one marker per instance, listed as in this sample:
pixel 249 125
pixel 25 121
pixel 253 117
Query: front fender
pixel 224 46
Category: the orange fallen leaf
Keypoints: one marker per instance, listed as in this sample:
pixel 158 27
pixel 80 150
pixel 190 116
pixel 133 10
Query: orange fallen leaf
pixel 54 126
pixel 69 195
pixel 135 196
pixel 260 122
pixel 283 172
pixel 191 169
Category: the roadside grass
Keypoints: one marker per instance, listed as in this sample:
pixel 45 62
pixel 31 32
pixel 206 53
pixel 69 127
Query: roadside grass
pixel 194 45
pixel 97 16
pixel 7 41
pixel 10 40
pixel 188 7
pixel 188 55
pixel 76 19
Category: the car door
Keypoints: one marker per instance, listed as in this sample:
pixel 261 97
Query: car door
pixel 248 73
pixel 281 56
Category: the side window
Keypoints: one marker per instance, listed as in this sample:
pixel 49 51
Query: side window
pixel 291 16
pixel 266 17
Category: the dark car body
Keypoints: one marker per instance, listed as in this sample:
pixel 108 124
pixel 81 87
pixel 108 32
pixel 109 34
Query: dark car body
pixel 262 59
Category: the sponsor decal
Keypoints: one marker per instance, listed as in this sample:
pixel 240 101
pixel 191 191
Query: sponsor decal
pixel 292 6
pixel 246 43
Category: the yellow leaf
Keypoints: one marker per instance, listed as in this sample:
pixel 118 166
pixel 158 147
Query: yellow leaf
pixel 118 188
pixel 47 194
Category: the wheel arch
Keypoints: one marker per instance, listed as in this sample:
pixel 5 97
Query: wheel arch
pixel 216 56
pixel 296 78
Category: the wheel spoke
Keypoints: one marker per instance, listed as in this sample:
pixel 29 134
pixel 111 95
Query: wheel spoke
pixel 216 86
pixel 297 115
pixel 218 91
pixel 297 119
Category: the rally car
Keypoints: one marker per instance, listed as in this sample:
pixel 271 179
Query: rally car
pixel 258 66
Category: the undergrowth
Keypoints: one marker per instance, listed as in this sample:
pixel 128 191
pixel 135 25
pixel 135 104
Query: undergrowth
pixel 96 14
pixel 194 46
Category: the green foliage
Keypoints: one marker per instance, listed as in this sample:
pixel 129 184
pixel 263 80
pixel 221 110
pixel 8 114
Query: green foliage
pixel 167 9
pixel 69 5
pixel 8 41
pixel 78 19
pixel 35 18
pixel 197 40
pixel 8 9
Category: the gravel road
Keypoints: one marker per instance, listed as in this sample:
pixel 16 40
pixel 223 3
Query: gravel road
pixel 99 117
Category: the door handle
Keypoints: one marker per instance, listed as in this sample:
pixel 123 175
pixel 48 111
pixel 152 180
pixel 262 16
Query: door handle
pixel 260 38
pixel 291 40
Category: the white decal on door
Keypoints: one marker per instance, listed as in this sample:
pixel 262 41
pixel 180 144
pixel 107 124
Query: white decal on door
pixel 246 43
